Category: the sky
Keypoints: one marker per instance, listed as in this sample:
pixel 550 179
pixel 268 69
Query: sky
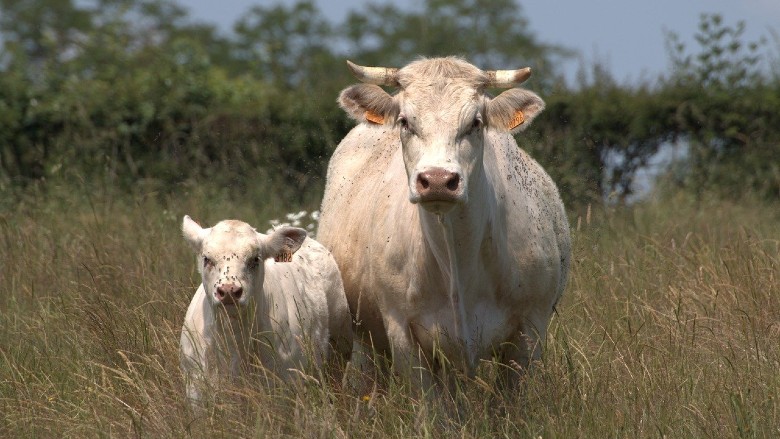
pixel 625 36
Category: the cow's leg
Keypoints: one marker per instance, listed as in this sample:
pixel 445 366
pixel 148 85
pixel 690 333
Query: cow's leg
pixel 520 353
pixel 408 359
pixel 193 383
pixel 194 366
pixel 337 356
pixel 197 380
pixel 366 369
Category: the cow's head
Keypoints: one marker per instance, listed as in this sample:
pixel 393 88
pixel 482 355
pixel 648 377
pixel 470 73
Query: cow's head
pixel 231 258
pixel 441 111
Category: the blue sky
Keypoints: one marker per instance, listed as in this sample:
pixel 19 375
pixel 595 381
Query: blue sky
pixel 626 36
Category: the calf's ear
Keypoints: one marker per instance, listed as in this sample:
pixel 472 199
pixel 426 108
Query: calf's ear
pixel 193 233
pixel 368 103
pixel 282 243
pixel 514 109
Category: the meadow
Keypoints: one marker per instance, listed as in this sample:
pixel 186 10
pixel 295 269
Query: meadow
pixel 670 327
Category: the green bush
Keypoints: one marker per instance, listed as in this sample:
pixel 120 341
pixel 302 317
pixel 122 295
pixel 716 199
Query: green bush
pixel 130 95
pixel 728 112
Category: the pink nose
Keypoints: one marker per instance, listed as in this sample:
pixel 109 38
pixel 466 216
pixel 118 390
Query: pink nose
pixel 438 184
pixel 229 294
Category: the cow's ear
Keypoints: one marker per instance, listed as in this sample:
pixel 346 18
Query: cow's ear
pixel 282 243
pixel 368 103
pixel 514 109
pixel 193 233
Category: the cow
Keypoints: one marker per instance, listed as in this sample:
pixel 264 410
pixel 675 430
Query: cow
pixel 275 301
pixel 451 240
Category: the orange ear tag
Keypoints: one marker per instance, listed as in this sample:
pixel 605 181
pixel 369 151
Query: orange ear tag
pixel 374 117
pixel 517 120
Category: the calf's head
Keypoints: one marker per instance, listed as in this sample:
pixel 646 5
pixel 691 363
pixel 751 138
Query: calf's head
pixel 441 111
pixel 231 256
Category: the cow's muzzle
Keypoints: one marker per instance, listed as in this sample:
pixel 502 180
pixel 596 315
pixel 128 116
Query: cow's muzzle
pixel 439 184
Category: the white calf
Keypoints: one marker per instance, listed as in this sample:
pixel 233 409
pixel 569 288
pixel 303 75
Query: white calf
pixel 273 300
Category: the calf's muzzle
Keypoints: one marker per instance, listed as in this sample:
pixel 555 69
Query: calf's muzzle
pixel 229 294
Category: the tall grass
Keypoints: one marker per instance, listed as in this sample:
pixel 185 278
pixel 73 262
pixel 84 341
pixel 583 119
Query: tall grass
pixel 670 327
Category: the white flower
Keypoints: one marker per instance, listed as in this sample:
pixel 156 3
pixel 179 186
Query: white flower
pixel 294 219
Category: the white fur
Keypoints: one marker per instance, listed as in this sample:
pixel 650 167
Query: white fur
pixel 470 279
pixel 290 315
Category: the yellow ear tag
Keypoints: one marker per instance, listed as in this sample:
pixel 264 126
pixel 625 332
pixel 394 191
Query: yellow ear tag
pixel 374 117
pixel 517 120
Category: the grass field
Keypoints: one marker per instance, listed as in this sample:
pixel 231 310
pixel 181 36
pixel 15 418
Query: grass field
pixel 670 327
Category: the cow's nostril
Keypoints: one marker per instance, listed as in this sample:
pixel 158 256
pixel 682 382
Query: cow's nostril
pixel 238 292
pixel 220 292
pixel 424 183
pixel 453 182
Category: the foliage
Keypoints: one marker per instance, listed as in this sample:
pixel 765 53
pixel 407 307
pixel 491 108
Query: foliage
pixel 595 141
pixel 140 101
pixel 720 106
pixel 131 93
pixel 727 111
pixel 493 34
pixel 287 46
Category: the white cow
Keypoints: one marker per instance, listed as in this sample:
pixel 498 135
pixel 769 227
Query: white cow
pixel 450 239
pixel 276 299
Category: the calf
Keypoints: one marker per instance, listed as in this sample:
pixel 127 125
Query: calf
pixel 274 300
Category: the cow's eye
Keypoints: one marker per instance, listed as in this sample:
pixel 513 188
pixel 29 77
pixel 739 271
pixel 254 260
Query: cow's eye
pixel 476 124
pixel 253 262
pixel 404 122
pixel 207 262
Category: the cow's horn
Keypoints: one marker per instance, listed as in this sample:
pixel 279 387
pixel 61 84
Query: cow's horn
pixel 507 78
pixel 374 75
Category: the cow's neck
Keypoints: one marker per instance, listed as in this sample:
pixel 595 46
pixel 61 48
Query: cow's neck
pixel 455 240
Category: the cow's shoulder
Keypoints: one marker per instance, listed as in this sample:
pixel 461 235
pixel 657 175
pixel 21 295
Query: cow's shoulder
pixel 521 172
pixel 366 146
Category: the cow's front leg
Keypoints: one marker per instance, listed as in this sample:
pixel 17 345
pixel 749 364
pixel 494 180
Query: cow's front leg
pixel 194 365
pixel 408 359
pixel 520 353
pixel 199 379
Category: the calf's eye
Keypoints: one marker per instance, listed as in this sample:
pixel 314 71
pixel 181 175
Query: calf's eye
pixel 253 263
pixel 207 263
